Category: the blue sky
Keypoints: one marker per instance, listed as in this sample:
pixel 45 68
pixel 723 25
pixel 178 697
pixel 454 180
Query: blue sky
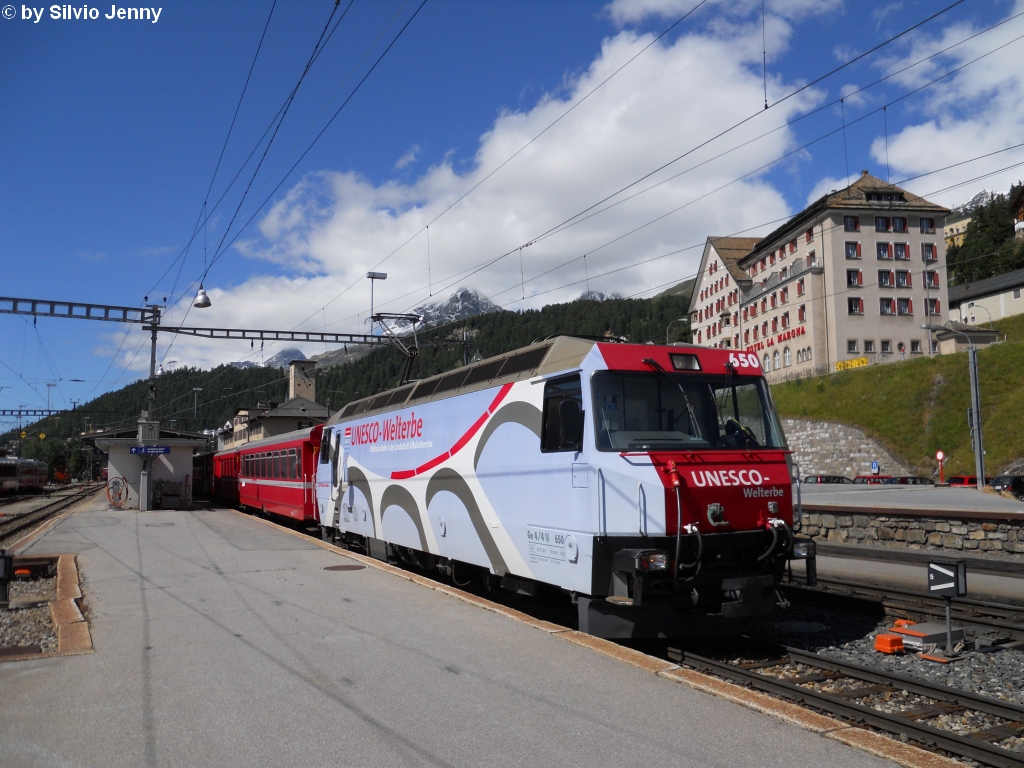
pixel 111 130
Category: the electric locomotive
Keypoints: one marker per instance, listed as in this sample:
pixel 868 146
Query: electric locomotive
pixel 652 484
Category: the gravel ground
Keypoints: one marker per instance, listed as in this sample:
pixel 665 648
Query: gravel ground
pixel 30 626
pixel 849 636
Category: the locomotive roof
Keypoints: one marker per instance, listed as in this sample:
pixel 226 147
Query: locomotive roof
pixel 541 357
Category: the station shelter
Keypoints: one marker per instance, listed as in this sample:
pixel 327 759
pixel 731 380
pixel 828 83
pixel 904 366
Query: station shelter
pixel 149 467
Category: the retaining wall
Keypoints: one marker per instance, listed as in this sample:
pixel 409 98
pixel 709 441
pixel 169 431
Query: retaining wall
pixel 994 535
pixel 828 448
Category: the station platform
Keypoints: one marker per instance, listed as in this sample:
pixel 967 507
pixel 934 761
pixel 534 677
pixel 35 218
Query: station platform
pixel 891 499
pixel 221 640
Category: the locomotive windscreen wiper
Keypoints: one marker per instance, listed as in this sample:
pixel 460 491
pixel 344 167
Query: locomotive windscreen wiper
pixel 662 373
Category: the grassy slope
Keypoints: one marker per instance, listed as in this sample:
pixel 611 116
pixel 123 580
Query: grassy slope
pixel 920 406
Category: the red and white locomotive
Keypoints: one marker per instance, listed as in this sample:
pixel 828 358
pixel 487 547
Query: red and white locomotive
pixel 652 484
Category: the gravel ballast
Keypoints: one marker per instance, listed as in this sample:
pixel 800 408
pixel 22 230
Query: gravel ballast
pixel 30 626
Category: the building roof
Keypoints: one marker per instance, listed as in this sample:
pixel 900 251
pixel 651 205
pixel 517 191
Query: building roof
pixel 986 287
pixel 732 251
pixel 297 407
pixel 974 333
pixel 853 197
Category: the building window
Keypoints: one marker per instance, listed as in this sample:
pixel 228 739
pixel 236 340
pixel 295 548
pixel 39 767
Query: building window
pixel 746 336
pixel 851 346
pixel 851 223
pixel 787 358
pixel 757 333
pixel 764 328
pixel 854 277
pixel 904 306
pixel 884 278
pixel 807 354
pixel 1016 291
pixel 764 264
pixel 785 320
pixel 792 246
pixel 899 224
pixel 887 306
pixel 784 295
pixel 764 305
pixel 903 279
pixel 900 251
pixel 915 347
pixel 753 310
pixel 771 259
pixel 927 226
pixel 767 363
pixel 932 279
pixel 928 252
pixel 931 307
pixel 881 224
pixel 783 273
pixel 855 306
pixel 811 263
pixel 775 325
pixel 886 347
pixel 884 250
pixel 800 287
pixel 745 315
pixel 869 346
pixel 852 250
pixel 801 313
pixel 778 361
pixel 809 236
pixel 774 300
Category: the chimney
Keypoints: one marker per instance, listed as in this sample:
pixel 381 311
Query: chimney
pixel 302 379
pixel 863 173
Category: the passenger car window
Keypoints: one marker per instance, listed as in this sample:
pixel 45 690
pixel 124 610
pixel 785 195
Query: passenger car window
pixel 563 415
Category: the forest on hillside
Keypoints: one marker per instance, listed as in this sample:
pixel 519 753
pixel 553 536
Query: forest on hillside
pixel 226 388
pixel 989 248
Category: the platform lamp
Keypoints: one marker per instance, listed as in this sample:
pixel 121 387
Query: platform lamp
pixel 202 300
pixel 974 412
pixel 669 326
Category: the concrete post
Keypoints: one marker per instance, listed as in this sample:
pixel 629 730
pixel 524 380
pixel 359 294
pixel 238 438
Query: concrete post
pixel 979 446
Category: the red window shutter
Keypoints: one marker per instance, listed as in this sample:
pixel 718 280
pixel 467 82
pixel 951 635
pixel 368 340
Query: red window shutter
pixel 908 279
pixel 856 225
pixel 892 277
pixel 892 304
pixel 858 250
pixel 936 306
pixel 889 248
pixel 910 306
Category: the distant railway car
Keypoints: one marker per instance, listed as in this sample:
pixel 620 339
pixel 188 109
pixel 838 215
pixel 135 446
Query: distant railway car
pixel 651 484
pixel 22 474
pixel 275 475
pixel 8 474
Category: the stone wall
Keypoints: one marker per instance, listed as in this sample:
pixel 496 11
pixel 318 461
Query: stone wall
pixel 994 537
pixel 827 448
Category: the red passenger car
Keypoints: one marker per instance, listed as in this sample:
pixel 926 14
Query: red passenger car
pixel 276 475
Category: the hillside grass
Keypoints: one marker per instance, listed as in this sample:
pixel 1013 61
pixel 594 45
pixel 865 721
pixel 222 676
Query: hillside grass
pixel 917 407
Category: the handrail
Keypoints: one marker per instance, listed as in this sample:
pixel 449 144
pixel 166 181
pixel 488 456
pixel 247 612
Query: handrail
pixel 641 502
pixel 602 522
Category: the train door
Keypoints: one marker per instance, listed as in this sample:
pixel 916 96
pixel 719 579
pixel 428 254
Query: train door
pixel 324 481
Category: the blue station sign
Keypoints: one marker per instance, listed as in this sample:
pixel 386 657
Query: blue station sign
pixel 148 450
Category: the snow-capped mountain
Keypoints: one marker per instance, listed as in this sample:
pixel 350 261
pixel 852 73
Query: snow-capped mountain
pixel 980 199
pixel 597 296
pixel 280 360
pixel 460 305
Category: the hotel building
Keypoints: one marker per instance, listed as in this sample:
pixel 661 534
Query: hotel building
pixel 847 282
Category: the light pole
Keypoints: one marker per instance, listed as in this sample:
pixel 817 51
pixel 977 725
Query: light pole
pixel 974 412
pixel 195 401
pixel 373 277
pixel 49 386
pixel 669 326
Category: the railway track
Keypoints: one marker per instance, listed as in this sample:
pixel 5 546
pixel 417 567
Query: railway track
pixel 960 723
pixel 12 528
pixel 983 617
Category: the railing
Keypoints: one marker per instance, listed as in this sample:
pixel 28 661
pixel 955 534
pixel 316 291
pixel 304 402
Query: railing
pixel 799 267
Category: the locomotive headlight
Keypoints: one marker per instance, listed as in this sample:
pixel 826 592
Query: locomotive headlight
pixel 655 561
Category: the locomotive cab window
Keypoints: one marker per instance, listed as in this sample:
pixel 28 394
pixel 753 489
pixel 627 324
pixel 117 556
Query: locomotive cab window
pixel 662 411
pixel 563 416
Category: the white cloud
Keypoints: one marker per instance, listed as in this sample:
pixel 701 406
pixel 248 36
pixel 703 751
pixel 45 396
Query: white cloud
pixel 408 158
pixel 976 111
pixel 333 226
pixel 829 184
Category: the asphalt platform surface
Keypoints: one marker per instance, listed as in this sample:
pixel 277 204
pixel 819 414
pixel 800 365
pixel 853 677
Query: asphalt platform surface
pixel 220 641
